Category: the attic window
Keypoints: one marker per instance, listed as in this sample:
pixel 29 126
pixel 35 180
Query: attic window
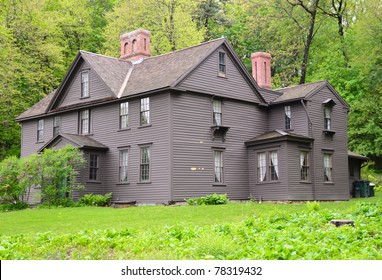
pixel 222 65
pixel 84 84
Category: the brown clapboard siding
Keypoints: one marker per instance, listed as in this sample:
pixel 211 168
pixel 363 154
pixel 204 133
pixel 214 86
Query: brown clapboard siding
pixel 97 88
pixel 298 190
pixel 339 189
pixel 105 122
pixel 299 120
pixel 205 79
pixel 193 146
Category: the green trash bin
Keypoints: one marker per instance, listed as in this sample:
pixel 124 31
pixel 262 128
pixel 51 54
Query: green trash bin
pixel 364 188
pixel 371 188
pixel 356 189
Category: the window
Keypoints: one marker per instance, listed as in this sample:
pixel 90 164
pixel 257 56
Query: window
pixel 273 166
pixel 328 168
pixel 218 163
pixel 304 166
pixel 145 164
pixel 123 165
pixel 94 167
pixel 327 118
pixel 217 116
pixel 145 111
pixel 287 117
pixel 56 125
pixel 85 84
pixel 222 65
pixel 262 167
pixel 84 122
pixel 124 115
pixel 40 131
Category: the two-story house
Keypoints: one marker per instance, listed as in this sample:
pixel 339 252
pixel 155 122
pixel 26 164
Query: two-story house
pixel 194 122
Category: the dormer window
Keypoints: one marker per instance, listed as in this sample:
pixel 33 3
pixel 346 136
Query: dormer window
pixel 84 84
pixel 222 65
pixel 288 117
pixel 217 115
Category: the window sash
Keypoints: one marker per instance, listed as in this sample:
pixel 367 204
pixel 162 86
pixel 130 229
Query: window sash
pixel 328 168
pixel 218 163
pixel 123 166
pixel 262 167
pixel 124 115
pixel 327 117
pixel 85 84
pixel 145 111
pixel 217 115
pixel 222 65
pixel 40 130
pixel 273 166
pixel 56 125
pixel 145 164
pixel 287 117
pixel 304 166
pixel 85 122
pixel 94 167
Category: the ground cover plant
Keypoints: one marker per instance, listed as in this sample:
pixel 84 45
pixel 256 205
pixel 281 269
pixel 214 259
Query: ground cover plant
pixel 232 231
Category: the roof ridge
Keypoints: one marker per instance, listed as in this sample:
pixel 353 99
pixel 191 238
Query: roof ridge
pixel 295 86
pixel 105 56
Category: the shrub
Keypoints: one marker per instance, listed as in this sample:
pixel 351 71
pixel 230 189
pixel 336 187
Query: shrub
pixel 96 199
pixel 14 206
pixel 10 189
pixel 313 206
pixel 213 199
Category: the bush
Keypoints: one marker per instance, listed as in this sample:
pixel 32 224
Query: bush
pixel 96 199
pixel 14 206
pixel 213 199
pixel 10 189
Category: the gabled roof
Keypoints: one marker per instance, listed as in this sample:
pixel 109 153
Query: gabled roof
pixel 277 135
pixel 80 141
pixel 304 92
pixel 124 78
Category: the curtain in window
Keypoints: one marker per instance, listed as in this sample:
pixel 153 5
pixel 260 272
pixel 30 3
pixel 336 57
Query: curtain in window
pixel 327 113
pixel 217 107
pixel 218 157
pixel 123 163
pixel 328 167
pixel 262 167
pixel 287 117
pixel 274 166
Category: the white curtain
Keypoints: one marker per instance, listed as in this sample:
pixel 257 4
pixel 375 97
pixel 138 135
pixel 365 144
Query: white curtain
pixel 262 166
pixel 274 162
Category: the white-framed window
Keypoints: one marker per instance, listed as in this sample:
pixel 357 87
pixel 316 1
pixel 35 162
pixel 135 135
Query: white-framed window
pixel 217 115
pixel 145 111
pixel 84 122
pixel 145 164
pixel 288 117
pixel 328 168
pixel 273 166
pixel 262 166
pixel 304 166
pixel 124 166
pixel 84 84
pixel 124 115
pixel 222 64
pixel 94 167
pixel 56 125
pixel 218 166
pixel 40 130
pixel 328 117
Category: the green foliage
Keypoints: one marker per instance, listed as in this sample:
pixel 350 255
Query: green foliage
pixel 213 199
pixel 13 206
pixel 96 199
pixel 313 205
pixel 54 171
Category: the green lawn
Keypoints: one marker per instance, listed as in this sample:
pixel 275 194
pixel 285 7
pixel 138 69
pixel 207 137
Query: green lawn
pixel 233 231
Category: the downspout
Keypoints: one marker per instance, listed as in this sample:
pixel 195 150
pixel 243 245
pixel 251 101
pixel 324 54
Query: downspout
pixel 310 134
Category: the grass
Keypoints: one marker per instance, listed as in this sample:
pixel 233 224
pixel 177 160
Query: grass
pixel 232 231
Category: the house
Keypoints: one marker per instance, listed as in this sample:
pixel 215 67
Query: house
pixel 194 122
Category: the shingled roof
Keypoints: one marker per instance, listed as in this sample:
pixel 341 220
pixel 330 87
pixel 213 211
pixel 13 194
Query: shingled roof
pixel 277 135
pixel 125 78
pixel 298 92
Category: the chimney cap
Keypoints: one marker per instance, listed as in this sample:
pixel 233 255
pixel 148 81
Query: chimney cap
pixel 135 32
pixel 261 54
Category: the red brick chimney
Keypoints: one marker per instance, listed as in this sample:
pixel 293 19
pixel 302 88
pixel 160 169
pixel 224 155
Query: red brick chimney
pixel 135 45
pixel 261 69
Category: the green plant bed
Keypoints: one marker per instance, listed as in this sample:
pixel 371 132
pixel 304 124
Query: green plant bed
pixel 232 231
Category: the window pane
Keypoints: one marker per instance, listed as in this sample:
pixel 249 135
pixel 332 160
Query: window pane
pixel 145 164
pixel 145 111
pixel 221 63
pixel 287 117
pixel 328 168
pixel 85 123
pixel 274 166
pixel 84 85
pixel 218 162
pixel 93 167
pixel 40 130
pixel 304 166
pixel 123 166
pixel 124 115
pixel 261 167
